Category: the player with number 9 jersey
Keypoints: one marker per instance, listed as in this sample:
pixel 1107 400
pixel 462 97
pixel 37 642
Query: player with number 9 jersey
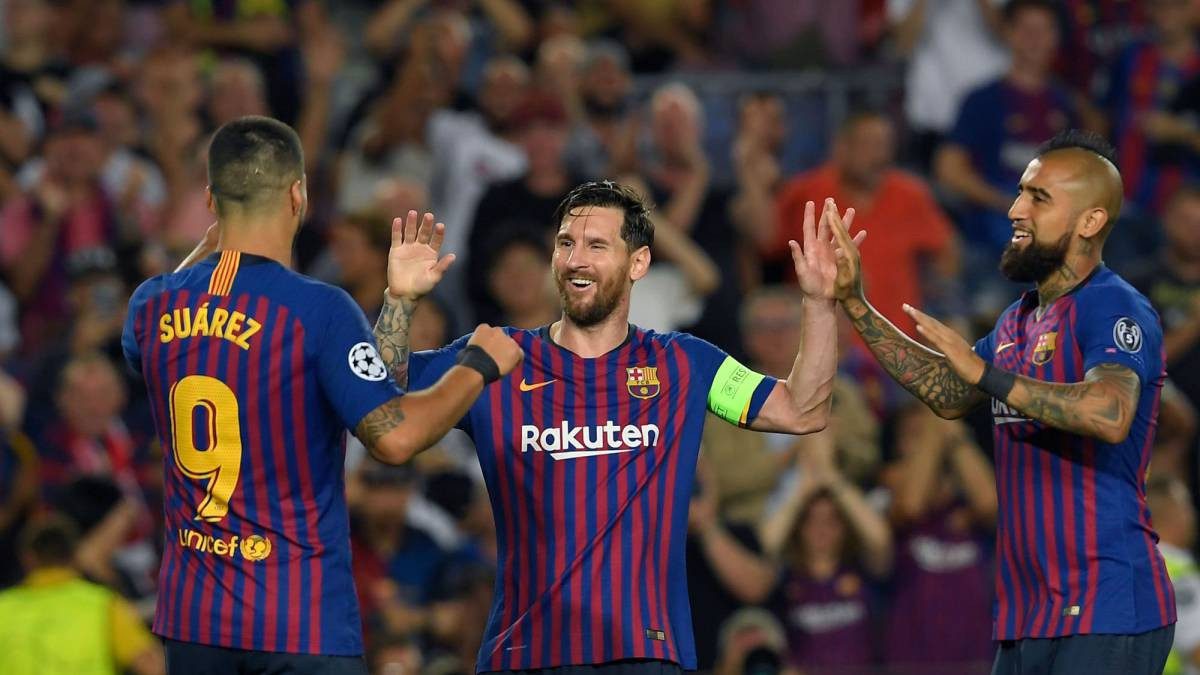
pixel 254 372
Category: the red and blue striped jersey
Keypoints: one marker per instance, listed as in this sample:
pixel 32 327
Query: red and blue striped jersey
pixel 254 372
pixel 1076 552
pixel 589 465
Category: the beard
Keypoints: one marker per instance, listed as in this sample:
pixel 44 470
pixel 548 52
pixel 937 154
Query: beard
pixel 585 312
pixel 1036 261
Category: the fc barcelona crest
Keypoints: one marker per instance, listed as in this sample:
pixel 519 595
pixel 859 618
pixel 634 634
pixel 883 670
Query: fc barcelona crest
pixel 1043 351
pixel 642 382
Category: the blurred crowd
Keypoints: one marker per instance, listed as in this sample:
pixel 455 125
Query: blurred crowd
pixel 865 548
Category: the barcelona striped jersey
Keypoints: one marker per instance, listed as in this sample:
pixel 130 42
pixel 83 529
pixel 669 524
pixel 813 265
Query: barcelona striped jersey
pixel 254 372
pixel 1076 552
pixel 589 466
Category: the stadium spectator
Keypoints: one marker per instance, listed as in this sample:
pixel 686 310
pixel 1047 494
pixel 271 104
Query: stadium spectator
pixel 33 62
pixel 517 282
pixel 57 622
pixel 789 34
pixel 943 511
pixel 952 47
pixel 752 641
pixel 761 133
pixel 359 247
pixel 522 206
pixel 751 465
pixel 832 546
pixel 998 129
pixel 602 142
pixel 1175 521
pixel 395 654
pixel 725 563
pixel 913 253
pixel 1172 283
pixel 1142 85
pixel 269 34
pixel 681 276
pixel 64 213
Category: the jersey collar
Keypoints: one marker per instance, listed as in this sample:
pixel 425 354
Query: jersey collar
pixel 243 260
pixel 544 333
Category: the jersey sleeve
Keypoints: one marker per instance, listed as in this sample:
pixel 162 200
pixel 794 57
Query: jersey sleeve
pixel 1120 327
pixel 129 341
pixel 985 347
pixel 736 394
pixel 352 375
pixel 425 368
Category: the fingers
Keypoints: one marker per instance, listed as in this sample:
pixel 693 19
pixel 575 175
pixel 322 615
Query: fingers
pixel 397 231
pixel 827 212
pixel 410 228
pixel 848 219
pixel 444 264
pixel 840 235
pixel 425 229
pixel 809 228
pixel 860 237
pixel 439 233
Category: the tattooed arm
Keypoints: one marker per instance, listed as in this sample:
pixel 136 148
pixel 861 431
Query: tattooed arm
pixel 405 425
pixel 391 332
pixel 922 371
pixel 1102 406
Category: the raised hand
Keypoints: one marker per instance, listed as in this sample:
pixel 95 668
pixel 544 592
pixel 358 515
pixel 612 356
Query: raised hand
pixel 959 354
pixel 413 264
pixel 848 281
pixel 817 259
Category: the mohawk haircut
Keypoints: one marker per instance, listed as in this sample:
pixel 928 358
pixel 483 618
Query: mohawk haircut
pixel 637 230
pixel 252 157
pixel 1081 140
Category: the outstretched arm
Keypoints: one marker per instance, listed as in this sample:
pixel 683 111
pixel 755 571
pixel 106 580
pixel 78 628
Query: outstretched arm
pixel 1102 406
pixel 413 270
pixel 801 403
pixel 923 372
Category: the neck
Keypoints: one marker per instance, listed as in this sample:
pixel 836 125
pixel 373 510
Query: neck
pixel 257 236
pixel 1027 78
pixel 592 341
pixel 821 566
pixel 1074 270
pixel 1187 269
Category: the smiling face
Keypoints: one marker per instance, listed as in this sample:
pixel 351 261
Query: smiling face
pixel 1053 215
pixel 593 268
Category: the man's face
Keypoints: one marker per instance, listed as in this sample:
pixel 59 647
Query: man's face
pixel 763 118
pixel 91 395
pixel 591 264
pixel 1043 219
pixel 544 144
pixel 1033 38
pixel 867 150
pixel 504 85
pixel 74 156
pixel 1182 227
pixel 772 335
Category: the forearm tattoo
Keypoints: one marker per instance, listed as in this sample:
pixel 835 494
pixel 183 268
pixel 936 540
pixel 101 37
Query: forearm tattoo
pixel 1101 406
pixel 923 372
pixel 391 332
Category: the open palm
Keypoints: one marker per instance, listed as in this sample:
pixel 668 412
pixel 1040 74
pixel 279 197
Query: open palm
pixel 413 264
pixel 816 259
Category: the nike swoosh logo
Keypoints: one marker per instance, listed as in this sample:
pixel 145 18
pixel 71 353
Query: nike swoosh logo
pixel 587 453
pixel 531 387
pixel 1003 346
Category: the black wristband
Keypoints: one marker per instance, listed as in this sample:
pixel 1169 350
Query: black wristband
pixel 475 358
pixel 997 382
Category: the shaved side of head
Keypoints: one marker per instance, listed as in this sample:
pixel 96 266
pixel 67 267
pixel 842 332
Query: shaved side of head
pixel 1096 181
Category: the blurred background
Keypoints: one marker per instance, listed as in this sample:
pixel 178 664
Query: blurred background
pixel 864 549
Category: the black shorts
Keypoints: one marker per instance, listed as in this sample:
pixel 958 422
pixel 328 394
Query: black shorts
pixel 1141 654
pixel 189 658
pixel 627 667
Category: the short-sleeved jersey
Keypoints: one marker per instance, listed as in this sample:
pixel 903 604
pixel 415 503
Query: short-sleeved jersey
pixel 254 372
pixel 589 465
pixel 1076 552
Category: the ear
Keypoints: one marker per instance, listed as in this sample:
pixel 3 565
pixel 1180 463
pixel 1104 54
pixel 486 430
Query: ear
pixel 639 263
pixel 209 199
pixel 1091 222
pixel 298 195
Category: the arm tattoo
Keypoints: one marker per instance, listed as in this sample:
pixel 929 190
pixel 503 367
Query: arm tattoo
pixel 1102 406
pixel 921 371
pixel 391 332
pixel 378 422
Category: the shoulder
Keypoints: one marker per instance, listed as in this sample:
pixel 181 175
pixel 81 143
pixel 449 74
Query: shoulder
pixel 148 289
pixel 1109 291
